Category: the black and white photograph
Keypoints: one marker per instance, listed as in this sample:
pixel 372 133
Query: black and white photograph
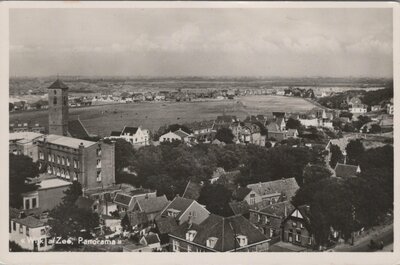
pixel 218 128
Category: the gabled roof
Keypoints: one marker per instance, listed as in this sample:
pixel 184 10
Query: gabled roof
pixel 130 130
pixel 346 171
pixel 280 121
pixel 58 84
pixel 240 193
pixel 181 133
pixel 280 209
pixel 241 207
pixel 115 133
pixel 224 230
pixel 166 224
pixel 192 191
pixel 123 199
pixel 77 130
pixel 180 204
pixel 30 221
pixel 152 239
pixel 287 187
pixel 273 127
pixel 84 202
pixel 152 205
pixel 137 218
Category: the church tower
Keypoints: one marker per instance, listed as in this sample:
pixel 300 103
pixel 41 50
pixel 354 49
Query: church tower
pixel 58 108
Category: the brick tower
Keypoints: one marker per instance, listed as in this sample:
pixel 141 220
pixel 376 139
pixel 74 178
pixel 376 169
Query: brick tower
pixel 58 108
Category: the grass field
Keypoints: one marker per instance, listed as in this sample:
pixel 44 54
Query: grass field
pixel 101 120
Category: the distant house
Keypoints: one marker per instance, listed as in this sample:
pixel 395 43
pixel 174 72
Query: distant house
pixel 30 233
pixel 126 201
pixel 224 121
pixel 269 192
pixel 275 130
pixel 136 136
pixel 297 227
pixel 241 132
pixel 269 218
pixel 203 131
pixel 292 133
pixel 178 135
pixel 218 234
pixel 341 143
pixel 112 223
pixel 358 108
pixel 47 196
pixel 23 143
pixel 389 109
pixel 346 171
pixel 151 206
pixel 183 210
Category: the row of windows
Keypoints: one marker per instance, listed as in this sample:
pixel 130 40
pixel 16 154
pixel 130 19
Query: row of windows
pixel 60 172
pixel 65 161
pixel 30 203
pixel 21 229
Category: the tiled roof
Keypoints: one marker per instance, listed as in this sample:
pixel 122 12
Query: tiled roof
pixel 52 183
pixel 152 205
pixel 24 137
pixel 130 130
pixel 181 133
pixel 224 229
pixel 123 199
pixel 180 204
pixel 280 209
pixel 137 218
pixel 241 193
pixel 345 171
pixel 58 84
pixel 152 239
pixel 15 213
pixel 30 221
pixel 77 130
pixel 192 191
pixel 83 202
pixel 241 207
pixel 115 133
pixel 66 141
pixel 273 127
pixel 166 224
pixel 287 187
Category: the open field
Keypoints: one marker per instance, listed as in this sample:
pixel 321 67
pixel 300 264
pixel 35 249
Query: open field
pixel 102 119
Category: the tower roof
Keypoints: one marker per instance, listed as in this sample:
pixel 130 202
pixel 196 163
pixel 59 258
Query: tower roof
pixel 58 84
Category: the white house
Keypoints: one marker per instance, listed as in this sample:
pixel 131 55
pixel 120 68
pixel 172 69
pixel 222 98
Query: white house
pixel 30 233
pixel 136 136
pixel 178 135
pixel 358 108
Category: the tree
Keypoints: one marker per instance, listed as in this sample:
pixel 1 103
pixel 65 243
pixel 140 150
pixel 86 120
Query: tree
pixel 354 150
pixel 293 124
pixel 124 157
pixel 216 198
pixel 21 170
pixel 361 121
pixel 225 135
pixel 315 173
pixel 336 155
pixel 348 127
pixel 375 128
pixel 72 193
pixel 346 115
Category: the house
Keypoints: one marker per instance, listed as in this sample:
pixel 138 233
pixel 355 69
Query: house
pixel 183 210
pixel 346 171
pixel 46 197
pixel 192 190
pixel 126 201
pixel 203 131
pixel 275 132
pixel 269 192
pixel 152 206
pixel 341 143
pixel 136 136
pixel 137 220
pixel 296 227
pixel 148 243
pixel 30 233
pixel 224 121
pixel 163 226
pixel 218 234
pixel 358 108
pixel 24 143
pixel 178 135
pixel 241 132
pixel 112 223
pixel 389 109
pixel 269 218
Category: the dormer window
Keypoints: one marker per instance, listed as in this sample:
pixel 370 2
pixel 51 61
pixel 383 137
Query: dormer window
pixel 173 212
pixel 190 235
pixel 211 241
pixel 242 240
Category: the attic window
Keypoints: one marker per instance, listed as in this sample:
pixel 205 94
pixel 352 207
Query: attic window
pixel 242 240
pixel 190 235
pixel 211 241
pixel 173 212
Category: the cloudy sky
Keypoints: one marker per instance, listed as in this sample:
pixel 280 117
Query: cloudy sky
pixel 199 42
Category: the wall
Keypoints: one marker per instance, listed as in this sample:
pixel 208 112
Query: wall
pixel 27 241
pixel 201 214
pixel 58 113
pixel 305 235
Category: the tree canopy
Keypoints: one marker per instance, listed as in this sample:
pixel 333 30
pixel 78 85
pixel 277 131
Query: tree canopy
pixel 216 198
pixel 225 135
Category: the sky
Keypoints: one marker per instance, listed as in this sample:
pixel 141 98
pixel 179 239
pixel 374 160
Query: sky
pixel 202 42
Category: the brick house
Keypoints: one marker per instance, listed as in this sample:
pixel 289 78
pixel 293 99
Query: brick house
pixel 183 210
pixel 296 227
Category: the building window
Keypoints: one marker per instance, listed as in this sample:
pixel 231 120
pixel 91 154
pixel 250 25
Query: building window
pixel 55 101
pixel 98 165
pixel 189 248
pixel 42 231
pixel 242 240
pixel 27 204
pixel 98 152
pixel 34 203
pixel 49 157
pixel 252 199
pixel 76 175
pixel 175 246
pixel 294 224
pixel 57 171
pixel 68 164
pixel 42 242
pixel 41 155
pixel 62 173
pixel 67 175
pixel 98 178
pixel 21 229
pixel 271 232
pixel 14 226
pixel 27 231
pixel 62 161
pixel 58 160
pixel 53 158
pixel 301 225
pixel 298 236
pixel 49 170
pixel 310 240
pixel 76 164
